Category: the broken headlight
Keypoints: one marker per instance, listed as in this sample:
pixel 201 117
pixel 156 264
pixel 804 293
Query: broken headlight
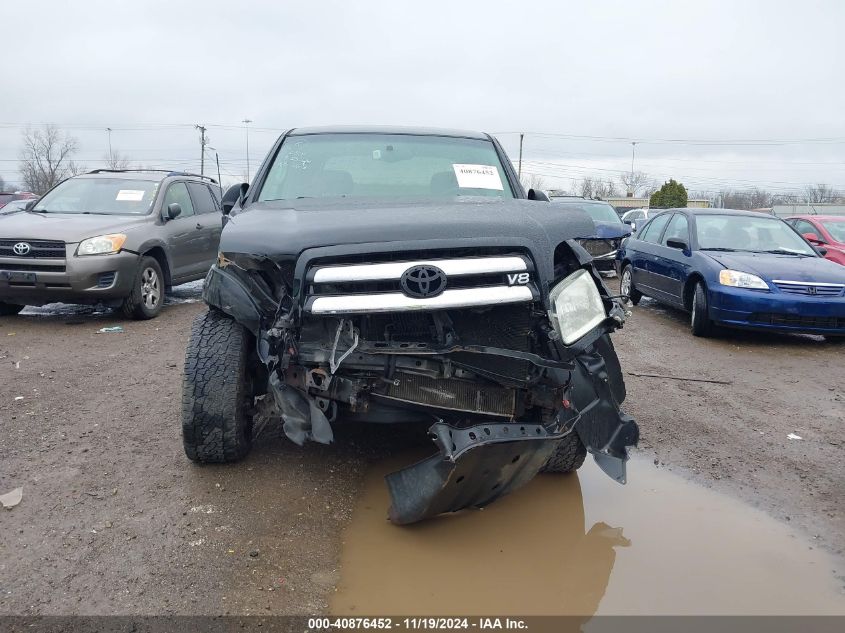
pixel 576 306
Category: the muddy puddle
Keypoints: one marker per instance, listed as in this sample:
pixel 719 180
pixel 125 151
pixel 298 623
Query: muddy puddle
pixel 584 545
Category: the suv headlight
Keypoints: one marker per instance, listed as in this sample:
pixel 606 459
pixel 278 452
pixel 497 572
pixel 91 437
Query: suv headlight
pixel 739 279
pixel 102 244
pixel 576 306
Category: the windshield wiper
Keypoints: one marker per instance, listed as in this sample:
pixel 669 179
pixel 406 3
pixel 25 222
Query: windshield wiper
pixel 783 251
pixel 721 249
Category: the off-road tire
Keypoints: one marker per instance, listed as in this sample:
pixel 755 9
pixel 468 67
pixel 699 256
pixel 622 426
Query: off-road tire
pixel 633 295
pixel 700 323
pixel 217 390
pixel 135 306
pixel 9 309
pixel 568 456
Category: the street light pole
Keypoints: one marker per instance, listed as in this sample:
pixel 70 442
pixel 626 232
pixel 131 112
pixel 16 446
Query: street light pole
pixel 246 122
pixel 111 156
pixel 519 171
pixel 203 143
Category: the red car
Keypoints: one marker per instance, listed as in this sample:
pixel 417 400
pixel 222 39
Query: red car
pixel 16 195
pixel 827 231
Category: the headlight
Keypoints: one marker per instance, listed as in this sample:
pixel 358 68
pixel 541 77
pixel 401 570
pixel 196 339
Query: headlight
pixel 101 245
pixel 739 279
pixel 576 306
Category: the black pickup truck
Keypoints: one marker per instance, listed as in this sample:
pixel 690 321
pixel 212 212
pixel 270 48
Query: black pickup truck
pixel 404 275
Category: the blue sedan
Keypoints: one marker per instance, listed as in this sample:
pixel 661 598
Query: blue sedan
pixel 735 269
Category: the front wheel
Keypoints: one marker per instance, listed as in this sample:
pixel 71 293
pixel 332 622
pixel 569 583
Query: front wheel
pixel 568 456
pixel 147 296
pixel 217 394
pixel 9 309
pixel 700 322
pixel 626 286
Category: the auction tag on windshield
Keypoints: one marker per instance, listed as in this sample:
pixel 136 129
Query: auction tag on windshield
pixel 478 177
pixel 130 195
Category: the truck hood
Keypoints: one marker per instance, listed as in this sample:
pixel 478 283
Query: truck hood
pixel 64 227
pixel 284 229
pixel 787 267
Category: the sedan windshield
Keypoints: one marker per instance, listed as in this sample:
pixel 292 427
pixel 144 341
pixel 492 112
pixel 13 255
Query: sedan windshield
pixel 749 234
pixel 384 166
pixel 105 196
pixel 600 213
pixel 836 228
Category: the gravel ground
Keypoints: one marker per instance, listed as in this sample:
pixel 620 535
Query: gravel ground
pixel 114 519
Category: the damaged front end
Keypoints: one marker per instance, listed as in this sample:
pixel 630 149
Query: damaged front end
pixel 503 369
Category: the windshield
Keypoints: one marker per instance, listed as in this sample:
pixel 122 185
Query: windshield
pixel 750 234
pixel 384 166
pixel 601 213
pixel 836 228
pixel 107 196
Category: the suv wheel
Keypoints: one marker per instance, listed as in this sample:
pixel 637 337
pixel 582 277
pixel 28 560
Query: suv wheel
pixel 147 296
pixel 9 309
pixel 626 286
pixel 217 390
pixel 568 456
pixel 700 322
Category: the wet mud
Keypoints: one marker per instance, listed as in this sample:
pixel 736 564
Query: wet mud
pixel 583 545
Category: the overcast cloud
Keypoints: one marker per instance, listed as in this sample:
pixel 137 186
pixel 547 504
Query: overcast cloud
pixel 647 71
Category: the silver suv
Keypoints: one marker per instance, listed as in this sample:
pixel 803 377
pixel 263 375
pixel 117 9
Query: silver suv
pixel 121 238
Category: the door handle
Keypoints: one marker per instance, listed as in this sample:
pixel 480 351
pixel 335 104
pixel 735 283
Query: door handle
pixel 199 226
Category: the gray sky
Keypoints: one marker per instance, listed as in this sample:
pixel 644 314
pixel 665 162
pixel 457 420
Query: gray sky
pixel 764 76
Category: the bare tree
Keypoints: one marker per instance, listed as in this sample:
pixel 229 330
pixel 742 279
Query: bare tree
pixel 604 189
pixel 819 193
pixel 46 157
pixel 634 182
pixel 531 181
pixel 2 184
pixel 586 188
pixel 117 161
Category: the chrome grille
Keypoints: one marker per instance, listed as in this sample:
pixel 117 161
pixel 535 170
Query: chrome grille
pixel 372 287
pixel 810 289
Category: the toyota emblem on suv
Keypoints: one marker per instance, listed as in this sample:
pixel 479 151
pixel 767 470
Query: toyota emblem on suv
pixel 423 281
pixel 21 248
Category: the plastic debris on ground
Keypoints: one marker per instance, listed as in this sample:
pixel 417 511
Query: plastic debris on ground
pixel 793 436
pixel 11 499
pixel 107 330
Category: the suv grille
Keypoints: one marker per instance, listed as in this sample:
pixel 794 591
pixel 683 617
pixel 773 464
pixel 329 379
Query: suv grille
pixel 598 248
pixel 356 287
pixel 37 248
pixel 809 288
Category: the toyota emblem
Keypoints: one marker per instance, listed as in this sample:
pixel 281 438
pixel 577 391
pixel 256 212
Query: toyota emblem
pixel 21 248
pixel 423 281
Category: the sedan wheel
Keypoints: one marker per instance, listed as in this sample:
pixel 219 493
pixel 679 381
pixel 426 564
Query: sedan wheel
pixel 626 286
pixel 700 322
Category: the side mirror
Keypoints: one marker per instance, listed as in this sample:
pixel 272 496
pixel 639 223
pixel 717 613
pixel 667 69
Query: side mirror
pixel 681 245
pixel 234 195
pixel 812 238
pixel 29 205
pixel 174 209
pixel 537 194
pixel 629 222
pixel 822 251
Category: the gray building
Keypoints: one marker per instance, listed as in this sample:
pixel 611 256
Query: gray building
pixel 808 208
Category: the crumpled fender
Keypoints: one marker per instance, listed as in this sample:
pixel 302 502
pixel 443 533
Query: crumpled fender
pixel 224 291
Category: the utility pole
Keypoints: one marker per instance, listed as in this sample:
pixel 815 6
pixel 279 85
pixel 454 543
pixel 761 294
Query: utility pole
pixel 519 174
pixel 246 122
pixel 111 156
pixel 633 151
pixel 203 143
